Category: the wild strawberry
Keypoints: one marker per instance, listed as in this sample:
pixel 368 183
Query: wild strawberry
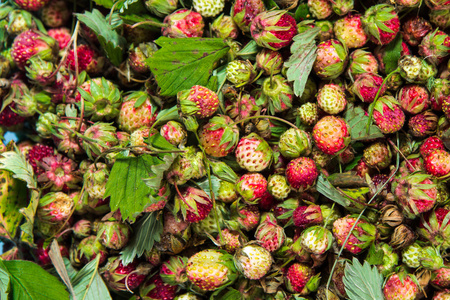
pixel 320 9
pixel 55 14
pixel 316 240
pixel 367 85
pixel 193 203
pixel 411 255
pixel 208 8
pixel 349 29
pixel 183 23
pixel 155 288
pixel 388 115
pixel 381 52
pixel 269 234
pixel 271 62
pixel 174 133
pixel 252 186
pixel 59 173
pixel 435 46
pixel 198 101
pixel 430 144
pixel 414 29
pixel 301 173
pixel 131 118
pixel 138 54
pixel 434 227
pixel 65 141
pixel 437 163
pixel 276 93
pixel 442 295
pixel 240 72
pixel 294 143
pixel 331 99
pixel 253 261
pixel 441 277
pixel 210 269
pixel 82 228
pixel 342 7
pixel 241 108
pixel 186 166
pixel 378 155
pixel 248 217
pixel 400 286
pixel 278 187
pixel 359 239
pixel 173 271
pixel 381 23
pixel 416 193
pixel 124 278
pixel 43 256
pixel 273 29
pixel 36 154
pixel 415 70
pixel 440 18
pixel 305 216
pixel 413 99
pixel 224 27
pixel 253 153
pixel 88 249
pixel 31 5
pixel 423 124
pixel 298 277
pixel 54 208
pixel 19 21
pixel 243 12
pixel 439 91
pixel 308 113
pixel 389 261
pixel 88 60
pixel 330 134
pixel 232 240
pixel 227 192
pixel 331 59
pixel 217 137
pixel 31 43
pixel 446 106
pixel 362 62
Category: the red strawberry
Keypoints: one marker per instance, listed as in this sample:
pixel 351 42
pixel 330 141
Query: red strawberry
pixel 36 154
pixel 252 187
pixel 430 144
pixel 88 60
pixel 10 118
pixel 415 29
pixel 124 278
pixel 413 98
pixel 382 24
pixel 31 5
pixel 366 87
pixel 244 11
pixel 273 29
pixel 359 239
pixel 156 289
pixel 297 276
pixel 437 163
pixel 330 134
pixel 194 204
pixel 219 136
pixel 305 216
pixel 183 23
pixel 423 124
pixel 388 115
pixel 301 173
pixel 400 286
pixel 30 43
pixel 441 277
pixel 199 101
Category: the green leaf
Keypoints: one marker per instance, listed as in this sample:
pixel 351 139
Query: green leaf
pixel 168 114
pixel 300 63
pixel 16 162
pixel 88 284
pixel 105 3
pixel 362 282
pixel 325 188
pixel 302 12
pixel 157 170
pixel 133 18
pixel 28 281
pixel 204 185
pixel 58 263
pixel 112 43
pixel 148 231
pixel 249 51
pixel 126 185
pixel 159 142
pixel 4 282
pixel 185 62
pixel 357 121
pixel 393 53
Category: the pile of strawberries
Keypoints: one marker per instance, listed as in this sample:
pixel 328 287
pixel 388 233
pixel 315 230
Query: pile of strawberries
pixel 297 187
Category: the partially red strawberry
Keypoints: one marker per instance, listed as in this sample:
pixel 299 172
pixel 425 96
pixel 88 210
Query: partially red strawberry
pixel 381 23
pixel 31 5
pixel 193 203
pixel 414 29
pixel 362 236
pixel 367 85
pixel 273 29
pixel 253 153
pixel 362 62
pixel 124 278
pixel 435 46
pixel 252 186
pixel 219 136
pixel 305 216
pixel 388 115
pixel 349 29
pixel 434 227
pixel 183 23
pixel 430 144
pixel 88 60
pixel 400 286
pixel 413 98
pixel 156 289
pixel 8 117
pixel 269 234
pixel 199 101
pixel 331 134
pixel 437 163
pixel 55 14
pixel 331 59
pixel 297 277
pixel 301 173
pixel 36 154
pixel 439 91
pixel 244 11
pixel 248 217
pixel 423 124
pixel 242 107
pixel 30 43
pixel 441 277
